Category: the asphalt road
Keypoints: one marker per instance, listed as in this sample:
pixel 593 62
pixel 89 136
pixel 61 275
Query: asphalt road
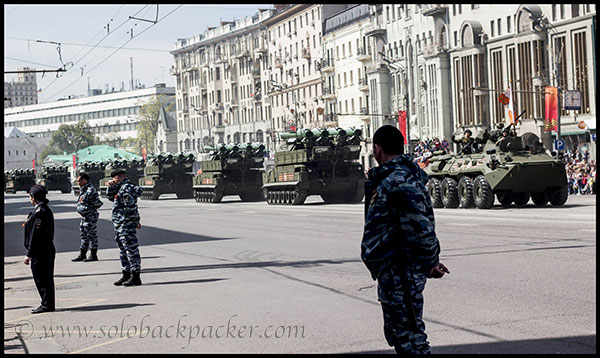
pixel 252 278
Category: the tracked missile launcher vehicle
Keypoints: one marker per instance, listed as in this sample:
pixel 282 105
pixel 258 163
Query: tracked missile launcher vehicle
pixel 134 169
pixel 514 169
pixel 19 180
pixel 231 170
pixel 316 162
pixel 56 178
pixel 168 173
pixel 96 172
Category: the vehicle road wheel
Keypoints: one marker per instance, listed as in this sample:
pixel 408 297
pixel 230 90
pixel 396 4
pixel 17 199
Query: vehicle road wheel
pixel 434 187
pixel 505 198
pixel 539 199
pixel 521 199
pixel 558 195
pixel 465 192
pixel 450 193
pixel 482 193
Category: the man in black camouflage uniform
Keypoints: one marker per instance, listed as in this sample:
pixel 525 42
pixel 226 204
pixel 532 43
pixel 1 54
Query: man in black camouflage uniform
pixel 399 245
pixel 88 204
pixel 126 220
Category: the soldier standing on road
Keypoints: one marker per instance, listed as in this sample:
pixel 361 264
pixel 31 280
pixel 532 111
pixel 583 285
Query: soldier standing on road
pixel 399 245
pixel 39 242
pixel 126 220
pixel 88 204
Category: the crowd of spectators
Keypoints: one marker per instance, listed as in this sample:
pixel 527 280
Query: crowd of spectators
pixel 425 148
pixel 581 172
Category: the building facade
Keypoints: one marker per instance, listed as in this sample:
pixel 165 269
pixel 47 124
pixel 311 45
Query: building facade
pixel 23 91
pixel 22 150
pixel 113 117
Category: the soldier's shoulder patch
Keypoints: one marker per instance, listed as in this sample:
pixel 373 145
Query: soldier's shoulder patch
pixel 38 223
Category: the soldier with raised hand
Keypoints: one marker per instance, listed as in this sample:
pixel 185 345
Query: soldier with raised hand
pixel 126 220
pixel 399 246
pixel 467 142
pixel 88 204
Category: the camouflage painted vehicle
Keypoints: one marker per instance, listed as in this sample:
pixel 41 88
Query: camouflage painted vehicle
pixel 168 173
pixel 96 172
pixel 19 180
pixel 316 162
pixel 231 170
pixel 133 168
pixel 513 169
pixel 56 178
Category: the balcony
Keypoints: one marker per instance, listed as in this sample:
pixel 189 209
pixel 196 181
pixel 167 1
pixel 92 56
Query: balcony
pixel 174 70
pixel 375 30
pixel 306 53
pixel 233 78
pixel 278 63
pixel 256 72
pixel 242 53
pixel 363 85
pixel 327 65
pixel 329 93
pixel 257 97
pixel 363 55
pixel 330 120
pixel 434 10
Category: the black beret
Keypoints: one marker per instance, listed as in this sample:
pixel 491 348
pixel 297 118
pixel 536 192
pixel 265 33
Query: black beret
pixel 38 192
pixel 468 131
pixel 117 172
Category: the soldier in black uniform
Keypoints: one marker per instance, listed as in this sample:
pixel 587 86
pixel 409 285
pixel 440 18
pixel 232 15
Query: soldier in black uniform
pixel 468 142
pixel 39 237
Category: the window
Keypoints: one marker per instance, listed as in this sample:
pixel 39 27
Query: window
pixel 581 70
pixel 492 28
pixel 574 10
pixel 499 27
pixel 508 25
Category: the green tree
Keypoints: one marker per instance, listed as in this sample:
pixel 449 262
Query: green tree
pixel 150 116
pixel 69 138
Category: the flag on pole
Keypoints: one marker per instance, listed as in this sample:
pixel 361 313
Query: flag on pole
pixel 402 124
pixel 511 106
pixel 551 115
pixel 144 153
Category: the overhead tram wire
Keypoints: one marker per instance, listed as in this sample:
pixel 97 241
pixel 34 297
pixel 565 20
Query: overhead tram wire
pixel 78 78
pixel 96 45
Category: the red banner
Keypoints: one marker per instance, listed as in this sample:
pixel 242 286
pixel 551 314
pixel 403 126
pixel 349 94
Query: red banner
pixel 74 162
pixel 144 153
pixel 33 164
pixel 551 116
pixel 402 124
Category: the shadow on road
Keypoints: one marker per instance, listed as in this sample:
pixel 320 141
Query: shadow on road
pixel 105 307
pixel 559 345
pixel 184 282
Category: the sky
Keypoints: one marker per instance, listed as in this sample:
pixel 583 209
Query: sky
pixel 89 50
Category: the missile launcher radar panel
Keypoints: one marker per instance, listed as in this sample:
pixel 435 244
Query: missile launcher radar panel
pixel 56 178
pixel 168 173
pixel 316 162
pixel 231 170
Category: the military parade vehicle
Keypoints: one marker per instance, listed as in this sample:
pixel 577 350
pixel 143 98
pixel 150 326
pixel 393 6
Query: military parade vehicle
pixel 56 178
pixel 134 169
pixel 316 162
pixel 512 168
pixel 96 172
pixel 19 180
pixel 168 173
pixel 231 170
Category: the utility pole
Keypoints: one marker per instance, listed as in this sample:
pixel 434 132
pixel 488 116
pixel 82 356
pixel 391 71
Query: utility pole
pixel 131 65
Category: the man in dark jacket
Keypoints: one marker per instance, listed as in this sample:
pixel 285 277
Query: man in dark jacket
pixel 467 142
pixel 39 242
pixel 399 246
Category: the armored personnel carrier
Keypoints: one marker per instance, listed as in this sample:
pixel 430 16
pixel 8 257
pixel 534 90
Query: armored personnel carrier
pixel 96 172
pixel 134 170
pixel 316 162
pixel 231 170
pixel 513 168
pixel 56 178
pixel 19 180
pixel 168 173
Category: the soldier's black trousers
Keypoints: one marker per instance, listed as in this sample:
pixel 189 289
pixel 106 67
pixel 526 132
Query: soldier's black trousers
pixel 42 268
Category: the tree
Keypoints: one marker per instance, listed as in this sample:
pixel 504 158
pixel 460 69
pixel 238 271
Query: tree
pixel 150 113
pixel 69 138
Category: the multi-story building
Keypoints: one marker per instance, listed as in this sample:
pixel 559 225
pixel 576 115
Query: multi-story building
pixel 343 68
pixel 111 116
pixel 22 150
pixel 219 85
pixel 23 91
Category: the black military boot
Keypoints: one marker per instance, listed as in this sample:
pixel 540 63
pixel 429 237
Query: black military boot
pixel 93 256
pixel 134 280
pixel 126 276
pixel 81 256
